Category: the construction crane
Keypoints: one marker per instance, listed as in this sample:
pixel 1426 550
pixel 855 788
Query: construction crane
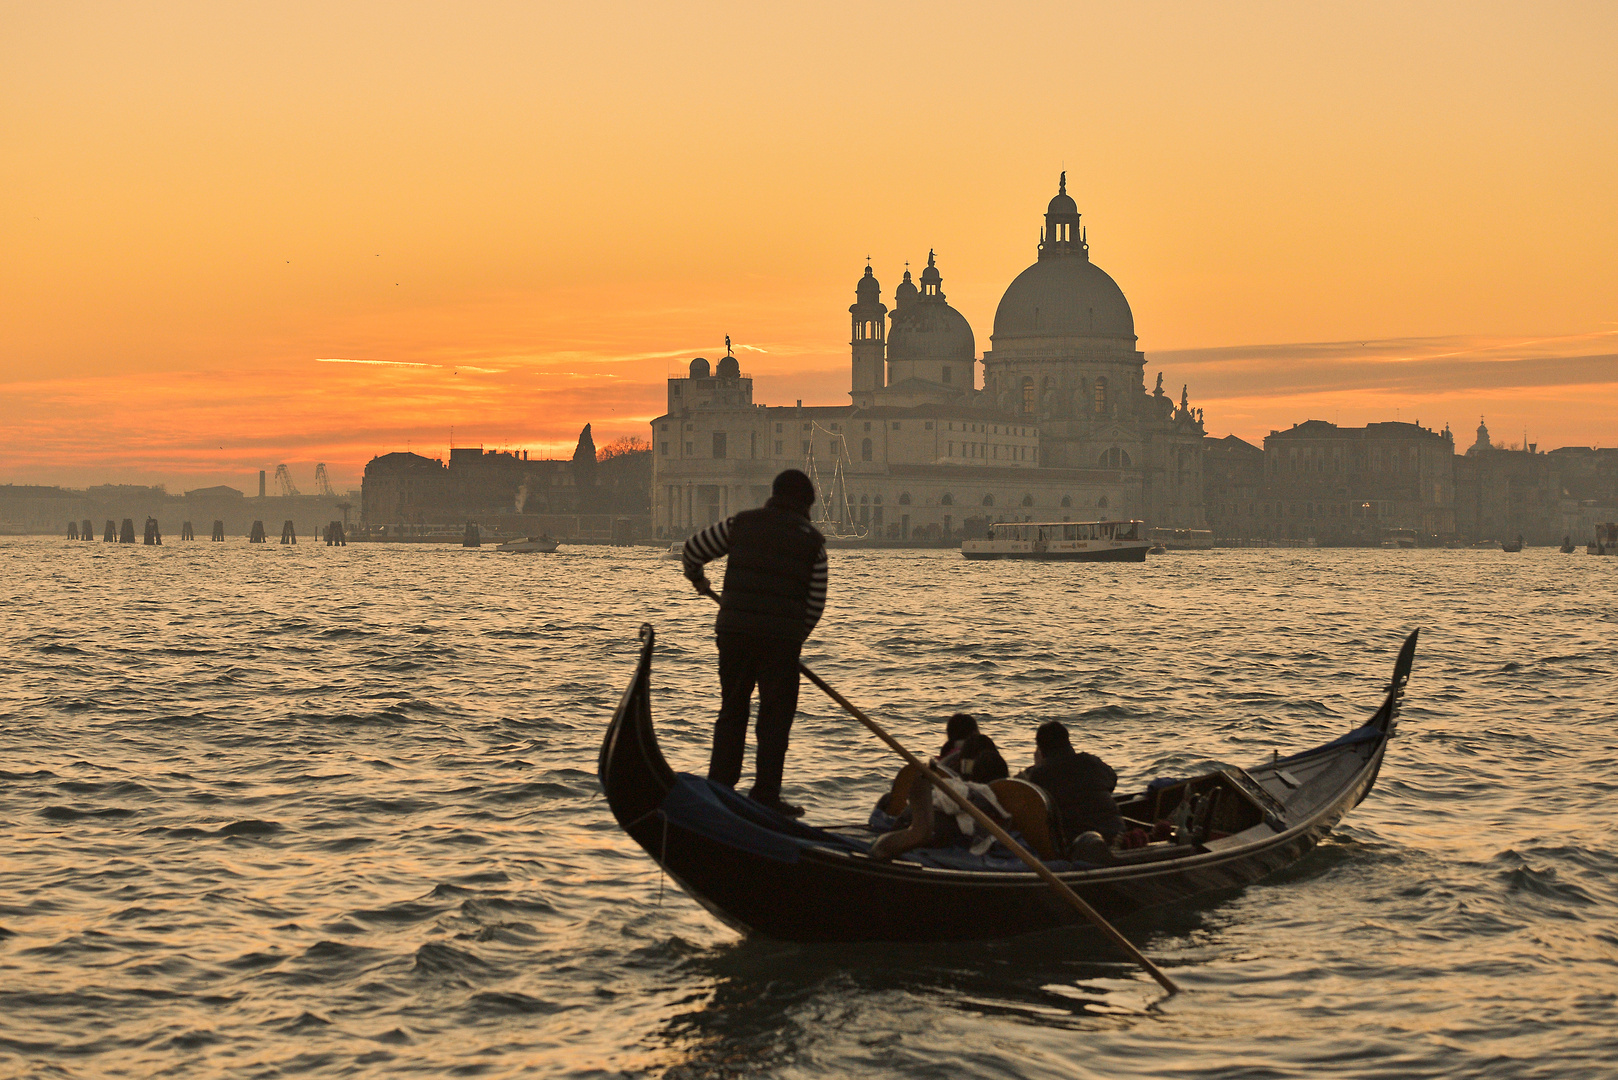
pixel 283 480
pixel 322 483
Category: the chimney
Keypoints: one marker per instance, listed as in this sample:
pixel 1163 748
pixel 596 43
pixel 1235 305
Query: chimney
pixel 261 483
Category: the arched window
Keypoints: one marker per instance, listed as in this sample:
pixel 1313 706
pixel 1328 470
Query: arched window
pixel 1028 500
pixel 1067 500
pixel 904 498
pixel 876 500
pixel 947 500
pixel 1101 503
pixel 988 500
pixel 865 449
pixel 1101 397
pixel 1028 396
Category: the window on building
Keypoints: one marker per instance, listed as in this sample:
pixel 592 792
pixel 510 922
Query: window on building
pixel 778 429
pixel 719 444
pixel 1067 500
pixel 904 498
pixel 988 500
pixel 688 450
pixel 663 448
pixel 896 425
pixel 1101 503
pixel 950 450
pixel 778 451
pixel 945 375
pixel 1101 397
pixel 806 448
pixel 662 427
pixel 1028 402
pixel 865 449
pixel 928 426
pixel 947 500
pixel 1028 500
pixel 867 425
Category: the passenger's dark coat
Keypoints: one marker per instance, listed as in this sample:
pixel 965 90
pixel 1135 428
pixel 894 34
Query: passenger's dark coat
pixel 1081 786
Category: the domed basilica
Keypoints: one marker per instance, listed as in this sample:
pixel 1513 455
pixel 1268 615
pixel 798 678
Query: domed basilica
pixel 1059 427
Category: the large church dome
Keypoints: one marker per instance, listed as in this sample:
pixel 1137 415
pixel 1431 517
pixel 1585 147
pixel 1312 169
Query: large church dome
pixel 1064 294
pixel 1063 297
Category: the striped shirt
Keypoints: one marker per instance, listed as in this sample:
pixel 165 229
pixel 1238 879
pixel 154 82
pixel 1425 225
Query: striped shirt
pixel 714 541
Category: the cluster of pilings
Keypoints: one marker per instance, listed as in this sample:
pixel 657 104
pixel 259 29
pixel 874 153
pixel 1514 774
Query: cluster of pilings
pixel 334 534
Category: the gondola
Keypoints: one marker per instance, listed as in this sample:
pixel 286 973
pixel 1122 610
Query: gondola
pixel 768 875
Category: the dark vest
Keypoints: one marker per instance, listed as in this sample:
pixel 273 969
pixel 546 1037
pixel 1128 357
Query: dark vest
pixel 772 554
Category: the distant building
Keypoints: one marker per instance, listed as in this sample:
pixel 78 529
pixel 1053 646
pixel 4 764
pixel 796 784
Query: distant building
pixel 477 484
pixel 1233 487
pixel 1062 427
pixel 1335 485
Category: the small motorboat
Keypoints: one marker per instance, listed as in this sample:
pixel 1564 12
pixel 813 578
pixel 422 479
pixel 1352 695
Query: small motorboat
pixel 1157 549
pixel 676 551
pixel 1511 545
pixel 1567 545
pixel 766 874
pixel 542 543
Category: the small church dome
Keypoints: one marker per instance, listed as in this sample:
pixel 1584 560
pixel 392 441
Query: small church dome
pixel 699 368
pixel 729 368
pixel 905 294
pixel 869 290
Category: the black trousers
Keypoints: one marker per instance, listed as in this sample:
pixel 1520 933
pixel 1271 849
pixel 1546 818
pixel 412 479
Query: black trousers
pixel 772 665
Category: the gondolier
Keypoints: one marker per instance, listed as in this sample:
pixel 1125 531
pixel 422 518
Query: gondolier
pixel 774 593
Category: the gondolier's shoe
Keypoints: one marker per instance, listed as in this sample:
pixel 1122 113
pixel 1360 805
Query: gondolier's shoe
pixel 786 809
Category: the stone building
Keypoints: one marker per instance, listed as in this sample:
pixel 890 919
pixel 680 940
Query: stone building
pixel 1060 425
pixel 1336 485
pixel 479 484
pixel 1233 487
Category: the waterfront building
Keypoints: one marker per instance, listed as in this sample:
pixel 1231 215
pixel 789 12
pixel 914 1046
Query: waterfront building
pixel 483 485
pixel 1335 485
pixel 1058 425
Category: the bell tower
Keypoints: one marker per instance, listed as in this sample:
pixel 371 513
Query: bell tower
pixel 868 344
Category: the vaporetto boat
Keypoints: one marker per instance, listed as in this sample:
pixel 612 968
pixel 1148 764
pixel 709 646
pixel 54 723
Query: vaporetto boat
pixel 1082 541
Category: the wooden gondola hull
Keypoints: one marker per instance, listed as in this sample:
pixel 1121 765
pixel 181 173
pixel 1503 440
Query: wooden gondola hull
pixel 772 878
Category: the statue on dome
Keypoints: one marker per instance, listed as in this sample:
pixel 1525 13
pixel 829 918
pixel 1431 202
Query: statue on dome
pixel 1159 391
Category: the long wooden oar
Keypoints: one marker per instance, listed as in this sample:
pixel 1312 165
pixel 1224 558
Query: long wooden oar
pixel 994 828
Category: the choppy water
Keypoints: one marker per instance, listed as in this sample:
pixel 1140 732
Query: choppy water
pixel 272 811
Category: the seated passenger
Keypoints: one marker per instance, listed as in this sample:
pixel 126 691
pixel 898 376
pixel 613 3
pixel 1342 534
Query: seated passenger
pixel 960 727
pixel 1080 785
pixel 979 760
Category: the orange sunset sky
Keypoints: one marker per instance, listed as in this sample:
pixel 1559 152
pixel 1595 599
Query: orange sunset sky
pixel 535 212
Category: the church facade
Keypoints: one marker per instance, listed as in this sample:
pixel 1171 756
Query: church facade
pixel 1052 423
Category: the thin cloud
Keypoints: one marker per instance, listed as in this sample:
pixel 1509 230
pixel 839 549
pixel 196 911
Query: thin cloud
pixel 384 363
